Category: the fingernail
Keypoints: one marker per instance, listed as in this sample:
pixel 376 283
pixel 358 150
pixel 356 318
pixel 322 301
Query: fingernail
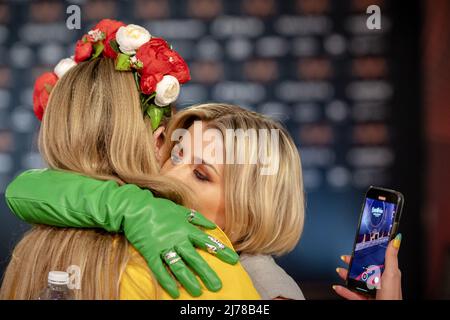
pixel 337 270
pixel 343 258
pixel 397 241
pixel 334 288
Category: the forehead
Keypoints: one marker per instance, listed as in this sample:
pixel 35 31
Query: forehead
pixel 203 134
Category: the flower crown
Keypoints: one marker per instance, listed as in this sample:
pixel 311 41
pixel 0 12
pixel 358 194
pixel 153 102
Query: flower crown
pixel 158 69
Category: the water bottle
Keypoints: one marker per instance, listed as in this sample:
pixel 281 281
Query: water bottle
pixel 57 288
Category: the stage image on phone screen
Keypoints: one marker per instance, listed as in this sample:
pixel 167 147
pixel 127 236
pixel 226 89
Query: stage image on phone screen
pixel 373 238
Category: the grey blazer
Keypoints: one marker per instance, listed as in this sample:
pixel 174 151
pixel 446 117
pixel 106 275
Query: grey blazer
pixel 269 279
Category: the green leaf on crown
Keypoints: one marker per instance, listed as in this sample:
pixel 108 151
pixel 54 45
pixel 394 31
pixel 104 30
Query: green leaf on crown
pixel 145 100
pixel 167 111
pixel 98 48
pixel 114 45
pixel 137 78
pixel 138 65
pixel 155 113
pixel 148 98
pixel 123 62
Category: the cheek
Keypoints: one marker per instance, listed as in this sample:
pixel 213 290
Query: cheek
pixel 208 197
pixel 221 212
pixel 211 204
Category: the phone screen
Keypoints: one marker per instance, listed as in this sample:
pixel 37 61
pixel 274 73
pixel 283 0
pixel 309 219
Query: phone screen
pixel 373 237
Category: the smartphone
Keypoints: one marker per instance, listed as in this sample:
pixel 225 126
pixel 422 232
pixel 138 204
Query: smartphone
pixel 378 225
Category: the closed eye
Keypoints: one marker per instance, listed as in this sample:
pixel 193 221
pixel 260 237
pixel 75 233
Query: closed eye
pixel 199 176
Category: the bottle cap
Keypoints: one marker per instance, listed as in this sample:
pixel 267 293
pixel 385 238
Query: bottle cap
pixel 58 277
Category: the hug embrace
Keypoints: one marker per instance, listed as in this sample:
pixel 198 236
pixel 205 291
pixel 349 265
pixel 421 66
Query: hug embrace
pixel 151 203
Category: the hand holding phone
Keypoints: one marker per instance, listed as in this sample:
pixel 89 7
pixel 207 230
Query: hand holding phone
pixel 378 225
pixel 391 288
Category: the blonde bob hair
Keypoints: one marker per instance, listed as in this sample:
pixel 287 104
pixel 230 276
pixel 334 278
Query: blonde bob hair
pixel 264 214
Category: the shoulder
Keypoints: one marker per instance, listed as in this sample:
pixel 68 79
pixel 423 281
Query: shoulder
pixel 270 279
pixel 236 283
pixel 137 281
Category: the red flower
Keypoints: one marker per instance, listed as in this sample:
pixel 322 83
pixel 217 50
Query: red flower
pixel 180 69
pixel 148 82
pixel 109 27
pixel 158 42
pixel 159 60
pixel 83 51
pixel 42 88
pixel 84 47
pixel 108 51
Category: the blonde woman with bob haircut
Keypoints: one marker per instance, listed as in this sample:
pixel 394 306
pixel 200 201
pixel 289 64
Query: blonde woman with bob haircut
pixel 261 211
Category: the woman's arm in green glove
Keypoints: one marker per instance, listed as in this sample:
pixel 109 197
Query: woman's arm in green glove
pixel 154 226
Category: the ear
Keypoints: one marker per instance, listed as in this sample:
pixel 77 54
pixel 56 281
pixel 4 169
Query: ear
pixel 158 139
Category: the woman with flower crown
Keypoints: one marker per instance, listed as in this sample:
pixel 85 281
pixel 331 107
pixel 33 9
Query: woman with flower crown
pixel 260 222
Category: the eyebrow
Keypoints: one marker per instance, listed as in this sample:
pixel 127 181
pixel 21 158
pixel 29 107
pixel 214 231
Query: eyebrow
pixel 209 165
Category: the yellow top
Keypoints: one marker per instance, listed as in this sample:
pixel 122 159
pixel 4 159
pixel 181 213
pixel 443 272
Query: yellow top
pixel 137 282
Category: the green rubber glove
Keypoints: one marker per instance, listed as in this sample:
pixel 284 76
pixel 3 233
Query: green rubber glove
pixel 162 231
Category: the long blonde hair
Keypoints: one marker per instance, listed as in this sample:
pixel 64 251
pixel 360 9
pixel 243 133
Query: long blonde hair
pixel 264 214
pixel 93 125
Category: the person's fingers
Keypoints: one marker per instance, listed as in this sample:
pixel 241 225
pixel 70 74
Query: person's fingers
pixel 342 272
pixel 163 277
pixel 348 294
pixel 183 274
pixel 391 279
pixel 215 247
pixel 391 257
pixel 346 259
pixel 199 265
pixel 198 219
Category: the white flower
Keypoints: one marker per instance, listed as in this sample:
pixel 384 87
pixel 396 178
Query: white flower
pixel 131 37
pixel 167 91
pixel 63 66
pixel 96 35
